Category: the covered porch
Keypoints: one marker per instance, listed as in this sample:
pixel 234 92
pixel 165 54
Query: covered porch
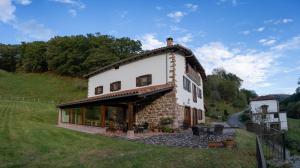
pixel 110 112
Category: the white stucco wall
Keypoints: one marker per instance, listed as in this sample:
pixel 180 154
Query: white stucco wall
pixel 273 105
pixel 155 65
pixel 185 98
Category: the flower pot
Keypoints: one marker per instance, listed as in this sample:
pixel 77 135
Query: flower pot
pixel 229 143
pixel 215 144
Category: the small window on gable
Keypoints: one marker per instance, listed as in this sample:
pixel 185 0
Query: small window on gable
pixel 186 84
pixel 144 80
pixel 115 86
pixel 98 90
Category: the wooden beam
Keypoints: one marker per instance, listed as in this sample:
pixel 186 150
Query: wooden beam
pixel 102 111
pixel 130 116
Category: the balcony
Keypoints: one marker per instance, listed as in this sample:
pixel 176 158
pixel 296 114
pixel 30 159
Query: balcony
pixel 192 74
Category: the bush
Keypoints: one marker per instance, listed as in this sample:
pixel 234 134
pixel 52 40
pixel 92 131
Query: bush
pixel 245 117
pixel 167 129
pixel 166 121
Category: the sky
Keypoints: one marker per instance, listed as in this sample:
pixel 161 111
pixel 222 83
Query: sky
pixel 258 40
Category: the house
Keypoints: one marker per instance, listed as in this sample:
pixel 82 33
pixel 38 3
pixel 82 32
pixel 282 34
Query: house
pixel 163 82
pixel 265 110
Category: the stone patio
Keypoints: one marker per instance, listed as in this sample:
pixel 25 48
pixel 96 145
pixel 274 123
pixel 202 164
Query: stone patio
pixel 182 139
pixel 185 139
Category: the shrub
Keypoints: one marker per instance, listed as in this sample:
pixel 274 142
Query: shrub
pixel 166 121
pixel 167 129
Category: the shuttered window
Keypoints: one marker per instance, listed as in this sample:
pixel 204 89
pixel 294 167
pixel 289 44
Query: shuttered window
pixel 199 114
pixel 98 90
pixel 194 93
pixel 115 86
pixel 186 84
pixel 144 80
pixel 199 93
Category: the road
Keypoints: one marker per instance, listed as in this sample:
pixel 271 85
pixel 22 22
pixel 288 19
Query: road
pixel 234 120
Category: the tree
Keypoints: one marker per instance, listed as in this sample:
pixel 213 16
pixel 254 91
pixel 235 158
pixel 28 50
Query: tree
pixel 33 57
pixel 249 94
pixel 8 57
pixel 298 89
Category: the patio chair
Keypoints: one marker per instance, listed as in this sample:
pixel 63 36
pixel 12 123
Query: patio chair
pixel 217 131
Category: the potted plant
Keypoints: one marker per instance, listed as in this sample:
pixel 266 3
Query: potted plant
pixel 229 143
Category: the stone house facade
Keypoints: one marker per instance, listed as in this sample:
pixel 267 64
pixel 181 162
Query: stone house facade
pixel 163 82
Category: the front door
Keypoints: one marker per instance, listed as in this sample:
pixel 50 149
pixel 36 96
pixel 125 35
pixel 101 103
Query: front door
pixel 187 116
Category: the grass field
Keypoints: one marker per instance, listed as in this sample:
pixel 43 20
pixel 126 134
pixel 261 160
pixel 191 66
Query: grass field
pixel 293 135
pixel 43 86
pixel 29 138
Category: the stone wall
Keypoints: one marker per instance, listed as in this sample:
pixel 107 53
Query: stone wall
pixel 164 106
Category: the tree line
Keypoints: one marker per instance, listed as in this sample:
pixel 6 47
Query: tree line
pixel 67 55
pixel 292 104
pixel 222 90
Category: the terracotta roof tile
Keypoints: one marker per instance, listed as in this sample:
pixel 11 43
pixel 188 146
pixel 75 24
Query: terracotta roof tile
pixel 264 98
pixel 132 92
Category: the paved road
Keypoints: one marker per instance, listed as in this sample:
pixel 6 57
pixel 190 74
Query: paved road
pixel 234 120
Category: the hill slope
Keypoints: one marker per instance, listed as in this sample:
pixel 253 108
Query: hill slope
pixel 45 86
pixel 29 136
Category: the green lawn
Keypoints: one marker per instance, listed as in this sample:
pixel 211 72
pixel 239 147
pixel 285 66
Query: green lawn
pixel 293 135
pixel 29 138
pixel 44 86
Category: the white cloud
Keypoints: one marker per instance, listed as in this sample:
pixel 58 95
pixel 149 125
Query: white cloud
pixel 290 44
pixel 260 29
pixel 279 21
pixel 149 41
pixel 176 16
pixel 267 41
pixel 7 11
pixel 232 2
pixel 287 20
pixel 185 39
pixel 245 32
pixel 192 7
pixel 251 66
pixel 74 4
pixel 255 67
pixel 177 29
pixel 32 30
pixel 72 12
pixel 24 2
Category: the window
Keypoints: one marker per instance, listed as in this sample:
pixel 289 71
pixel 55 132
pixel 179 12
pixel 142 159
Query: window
pixel 115 86
pixel 98 90
pixel 144 80
pixel 186 84
pixel 199 114
pixel 276 115
pixel 199 93
pixel 194 93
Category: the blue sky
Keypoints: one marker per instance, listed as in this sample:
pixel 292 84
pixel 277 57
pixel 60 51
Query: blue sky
pixel 257 40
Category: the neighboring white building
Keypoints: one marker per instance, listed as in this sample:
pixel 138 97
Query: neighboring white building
pixel 265 110
pixel 164 82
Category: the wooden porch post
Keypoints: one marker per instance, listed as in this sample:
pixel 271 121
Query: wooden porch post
pixel 102 111
pixel 82 113
pixel 130 116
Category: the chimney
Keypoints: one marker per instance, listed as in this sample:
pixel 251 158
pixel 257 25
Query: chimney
pixel 169 41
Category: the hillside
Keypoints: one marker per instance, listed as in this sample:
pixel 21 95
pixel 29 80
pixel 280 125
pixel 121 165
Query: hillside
pixel 43 86
pixel 29 136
